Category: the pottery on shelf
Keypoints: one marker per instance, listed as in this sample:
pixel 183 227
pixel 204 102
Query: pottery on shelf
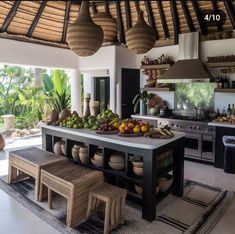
pixel 139 189
pixel 63 147
pixel 117 165
pixel 75 152
pixel 165 183
pixel 98 163
pixel 138 168
pixel 57 148
pixel 83 155
pixel 117 158
pixel 2 142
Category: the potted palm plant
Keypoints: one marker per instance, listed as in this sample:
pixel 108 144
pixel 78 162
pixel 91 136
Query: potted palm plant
pixel 142 99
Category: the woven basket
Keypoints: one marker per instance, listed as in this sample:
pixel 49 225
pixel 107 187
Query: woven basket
pixel 141 37
pixel 2 142
pixel 84 37
pixel 108 24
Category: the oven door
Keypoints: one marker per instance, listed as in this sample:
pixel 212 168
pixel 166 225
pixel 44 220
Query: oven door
pixel 208 147
pixel 193 145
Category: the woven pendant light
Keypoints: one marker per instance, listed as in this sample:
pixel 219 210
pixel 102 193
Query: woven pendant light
pixel 108 24
pixel 84 37
pixel 2 142
pixel 141 37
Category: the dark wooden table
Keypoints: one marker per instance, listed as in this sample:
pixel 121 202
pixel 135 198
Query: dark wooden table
pixel 148 148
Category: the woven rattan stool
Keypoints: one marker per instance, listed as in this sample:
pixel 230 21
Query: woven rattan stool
pixel 74 183
pixel 114 199
pixel 29 162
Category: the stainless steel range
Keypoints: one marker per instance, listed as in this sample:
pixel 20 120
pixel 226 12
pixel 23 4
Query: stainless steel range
pixel 200 138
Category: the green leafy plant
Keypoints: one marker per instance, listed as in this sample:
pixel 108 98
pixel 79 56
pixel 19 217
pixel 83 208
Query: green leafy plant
pixel 57 90
pixel 144 96
pixel 136 158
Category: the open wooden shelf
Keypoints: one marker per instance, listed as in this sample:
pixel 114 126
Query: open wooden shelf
pixel 224 90
pixel 158 89
pixel 156 66
pixel 221 64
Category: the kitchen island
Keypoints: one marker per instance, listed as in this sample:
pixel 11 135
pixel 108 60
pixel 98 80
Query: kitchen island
pixel 222 129
pixel 148 148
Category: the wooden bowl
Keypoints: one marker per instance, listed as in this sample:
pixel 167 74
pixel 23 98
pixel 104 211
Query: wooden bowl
pixel 138 171
pixel 138 164
pixel 98 157
pixel 117 166
pixel 139 189
pixel 98 163
pixel 117 158
pixel 165 183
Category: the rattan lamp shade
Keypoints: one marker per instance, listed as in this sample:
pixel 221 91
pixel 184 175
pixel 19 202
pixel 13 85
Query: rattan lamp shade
pixel 108 24
pixel 141 37
pixel 84 37
pixel 2 142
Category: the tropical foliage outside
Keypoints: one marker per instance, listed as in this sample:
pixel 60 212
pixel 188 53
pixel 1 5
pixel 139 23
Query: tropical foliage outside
pixel 189 96
pixel 30 93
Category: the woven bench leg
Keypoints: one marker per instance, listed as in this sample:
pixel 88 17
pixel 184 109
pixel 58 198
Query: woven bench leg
pixel 90 200
pixel 118 210
pixel 107 217
pixel 49 198
pixel 12 174
pixel 123 199
pixel 37 186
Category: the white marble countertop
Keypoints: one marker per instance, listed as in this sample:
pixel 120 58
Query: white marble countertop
pixel 136 142
pixel 221 124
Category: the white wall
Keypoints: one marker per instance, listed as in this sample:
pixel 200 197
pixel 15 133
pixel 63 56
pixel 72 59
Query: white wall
pixel 124 59
pixel 103 59
pixel 25 53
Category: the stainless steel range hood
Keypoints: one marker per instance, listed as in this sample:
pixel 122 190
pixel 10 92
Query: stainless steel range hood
pixel 189 67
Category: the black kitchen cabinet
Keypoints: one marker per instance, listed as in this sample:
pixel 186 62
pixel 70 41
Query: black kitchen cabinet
pixel 219 146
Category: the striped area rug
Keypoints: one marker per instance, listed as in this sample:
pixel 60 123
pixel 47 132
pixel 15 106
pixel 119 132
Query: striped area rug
pixel 196 212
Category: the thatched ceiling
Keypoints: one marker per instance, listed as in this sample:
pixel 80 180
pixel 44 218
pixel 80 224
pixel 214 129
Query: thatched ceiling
pixel 46 21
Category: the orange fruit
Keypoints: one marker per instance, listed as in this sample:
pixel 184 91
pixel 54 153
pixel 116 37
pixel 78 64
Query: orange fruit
pixel 121 128
pixel 131 125
pixel 124 125
pixel 136 130
pixel 144 129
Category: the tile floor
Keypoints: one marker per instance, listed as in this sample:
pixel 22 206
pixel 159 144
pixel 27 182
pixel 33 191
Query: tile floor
pixel 13 216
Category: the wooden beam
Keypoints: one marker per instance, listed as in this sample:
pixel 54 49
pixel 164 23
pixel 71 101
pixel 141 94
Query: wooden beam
pixel 187 16
pixel 137 6
pixel 175 19
pixel 120 23
pixel 36 19
pixel 106 5
pixel 93 7
pixel 10 16
pixel 230 11
pixel 200 19
pixel 216 11
pixel 150 17
pixel 128 14
pixel 163 18
pixel 66 21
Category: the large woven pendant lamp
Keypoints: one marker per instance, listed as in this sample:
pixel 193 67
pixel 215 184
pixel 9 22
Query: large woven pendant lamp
pixel 141 37
pixel 84 37
pixel 108 24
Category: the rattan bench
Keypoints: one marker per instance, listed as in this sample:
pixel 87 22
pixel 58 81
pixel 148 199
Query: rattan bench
pixel 114 199
pixel 29 162
pixel 72 182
